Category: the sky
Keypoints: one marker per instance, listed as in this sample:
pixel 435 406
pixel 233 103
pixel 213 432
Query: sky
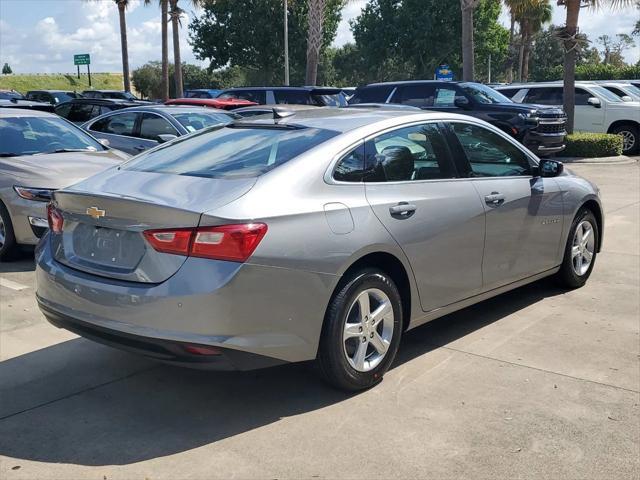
pixel 41 36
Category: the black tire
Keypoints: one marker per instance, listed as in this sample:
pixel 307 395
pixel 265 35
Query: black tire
pixel 631 131
pixel 332 360
pixel 567 276
pixel 8 247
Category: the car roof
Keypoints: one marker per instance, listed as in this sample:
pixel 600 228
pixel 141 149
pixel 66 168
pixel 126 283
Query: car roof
pixel 342 119
pixel 305 89
pixel 52 91
pixel 106 91
pixel 170 109
pixel 411 82
pixel 23 112
pixel 103 101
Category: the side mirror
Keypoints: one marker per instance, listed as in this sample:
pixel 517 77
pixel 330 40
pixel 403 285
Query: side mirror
pixel 626 98
pixel 462 102
pixel 550 168
pixel 166 137
pixel 104 142
pixel 595 102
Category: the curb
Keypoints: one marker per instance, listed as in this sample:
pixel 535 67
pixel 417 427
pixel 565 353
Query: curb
pixel 619 160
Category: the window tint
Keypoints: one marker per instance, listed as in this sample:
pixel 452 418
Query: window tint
pixel 119 124
pixel 230 152
pixel 416 95
pixel 153 125
pixel 615 90
pixel 376 94
pixel 258 96
pixel 29 135
pixel 418 152
pixel 489 154
pixel 296 97
pixel 83 112
pixel 544 96
pixel 509 92
pixel 351 167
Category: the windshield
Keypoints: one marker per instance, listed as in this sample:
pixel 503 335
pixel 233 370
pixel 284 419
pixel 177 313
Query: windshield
pixel 194 121
pixel 483 94
pixel 4 95
pixel 603 92
pixel 31 135
pixel 230 152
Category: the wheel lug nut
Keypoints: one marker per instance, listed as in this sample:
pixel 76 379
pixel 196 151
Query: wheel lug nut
pixel 364 339
pixel 371 335
pixel 360 328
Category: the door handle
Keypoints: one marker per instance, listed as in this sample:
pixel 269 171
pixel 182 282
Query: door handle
pixel 495 199
pixel 402 209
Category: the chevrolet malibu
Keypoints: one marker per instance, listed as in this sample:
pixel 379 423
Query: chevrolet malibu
pixel 318 235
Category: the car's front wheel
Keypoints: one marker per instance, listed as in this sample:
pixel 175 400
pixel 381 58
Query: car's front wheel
pixel 580 251
pixel 7 238
pixel 362 330
pixel 630 140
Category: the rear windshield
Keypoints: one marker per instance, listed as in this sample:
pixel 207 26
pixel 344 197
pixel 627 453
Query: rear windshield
pixel 230 152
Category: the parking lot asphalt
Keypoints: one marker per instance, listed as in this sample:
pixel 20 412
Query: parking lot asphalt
pixel 536 383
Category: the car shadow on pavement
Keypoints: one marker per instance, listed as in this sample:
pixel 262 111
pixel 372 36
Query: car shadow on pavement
pixel 82 403
pixel 23 262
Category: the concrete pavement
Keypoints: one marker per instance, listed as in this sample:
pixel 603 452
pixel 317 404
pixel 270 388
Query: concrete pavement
pixel 537 383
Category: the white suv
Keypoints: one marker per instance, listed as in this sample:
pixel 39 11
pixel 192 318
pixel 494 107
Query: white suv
pixel 597 109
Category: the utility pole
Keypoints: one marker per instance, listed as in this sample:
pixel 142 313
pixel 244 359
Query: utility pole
pixel 286 43
pixel 489 70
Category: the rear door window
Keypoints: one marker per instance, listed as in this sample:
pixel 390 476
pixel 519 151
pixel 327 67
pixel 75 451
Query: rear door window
pixel 544 96
pixel 418 152
pixel 350 168
pixel 83 112
pixel 118 124
pixel 230 152
pixel 375 94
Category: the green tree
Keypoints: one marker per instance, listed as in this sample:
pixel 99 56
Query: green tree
pixel 531 17
pixel 228 35
pixel 613 48
pixel 6 69
pixel 547 53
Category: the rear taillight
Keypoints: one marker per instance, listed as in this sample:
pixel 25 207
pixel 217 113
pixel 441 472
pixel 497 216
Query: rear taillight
pixel 235 243
pixel 54 216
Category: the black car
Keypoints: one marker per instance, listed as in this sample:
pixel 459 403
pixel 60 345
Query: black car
pixel 540 128
pixel 110 94
pixel 11 95
pixel 53 97
pixel 319 96
pixel 81 110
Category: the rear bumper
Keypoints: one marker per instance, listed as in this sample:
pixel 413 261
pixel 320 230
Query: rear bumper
pixel 266 311
pixel 172 352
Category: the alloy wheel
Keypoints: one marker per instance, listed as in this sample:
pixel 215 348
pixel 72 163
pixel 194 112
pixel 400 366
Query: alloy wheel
pixel 368 330
pixel 583 247
pixel 628 140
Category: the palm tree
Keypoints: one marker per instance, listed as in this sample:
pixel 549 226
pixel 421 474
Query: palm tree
pixel 175 12
pixel 511 7
pixel 467 7
pixel 164 88
pixel 533 16
pixel 568 34
pixel 315 19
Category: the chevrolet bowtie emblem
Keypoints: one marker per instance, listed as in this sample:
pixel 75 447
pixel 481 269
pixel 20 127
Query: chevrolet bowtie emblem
pixel 95 212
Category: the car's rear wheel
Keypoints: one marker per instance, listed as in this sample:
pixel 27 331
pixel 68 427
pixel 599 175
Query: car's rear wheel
pixel 361 332
pixel 580 251
pixel 630 140
pixel 7 238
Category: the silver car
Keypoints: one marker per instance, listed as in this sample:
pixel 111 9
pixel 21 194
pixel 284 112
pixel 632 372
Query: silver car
pixel 136 129
pixel 39 153
pixel 320 235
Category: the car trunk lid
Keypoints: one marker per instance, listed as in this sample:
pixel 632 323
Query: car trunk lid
pixel 105 217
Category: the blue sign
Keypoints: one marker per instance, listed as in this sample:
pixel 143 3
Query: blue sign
pixel 444 72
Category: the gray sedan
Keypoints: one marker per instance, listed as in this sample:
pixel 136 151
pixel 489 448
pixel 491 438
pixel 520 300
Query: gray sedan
pixel 318 235
pixel 136 129
pixel 40 152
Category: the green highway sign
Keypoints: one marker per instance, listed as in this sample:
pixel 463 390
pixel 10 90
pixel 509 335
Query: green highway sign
pixel 82 59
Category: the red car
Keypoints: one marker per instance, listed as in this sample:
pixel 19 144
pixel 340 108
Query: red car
pixel 222 103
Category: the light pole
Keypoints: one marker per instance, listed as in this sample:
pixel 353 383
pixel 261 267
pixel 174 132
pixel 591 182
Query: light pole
pixel 286 44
